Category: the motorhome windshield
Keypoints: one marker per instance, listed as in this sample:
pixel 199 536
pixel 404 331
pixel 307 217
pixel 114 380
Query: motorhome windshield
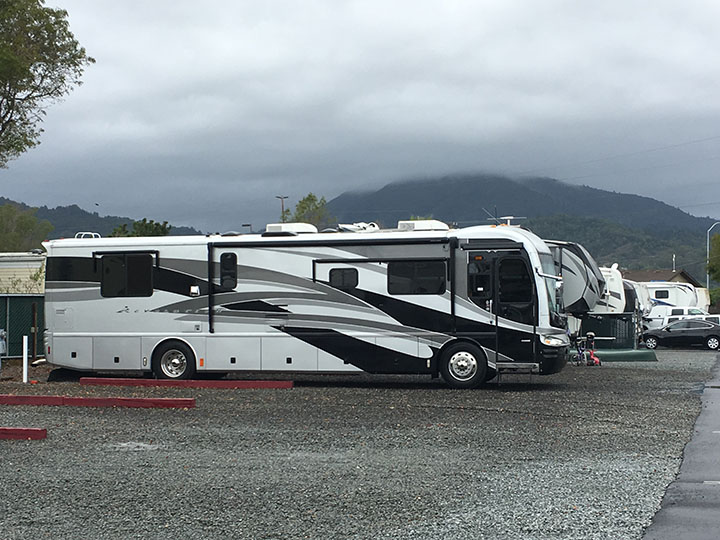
pixel 553 287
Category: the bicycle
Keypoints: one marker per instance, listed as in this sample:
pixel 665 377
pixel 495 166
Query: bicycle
pixel 585 351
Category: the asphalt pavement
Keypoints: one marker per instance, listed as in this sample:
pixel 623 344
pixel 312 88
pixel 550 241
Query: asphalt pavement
pixel 691 506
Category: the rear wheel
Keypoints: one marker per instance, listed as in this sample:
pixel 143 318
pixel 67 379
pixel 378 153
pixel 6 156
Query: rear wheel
pixel 712 343
pixel 463 365
pixel 651 342
pixel 173 360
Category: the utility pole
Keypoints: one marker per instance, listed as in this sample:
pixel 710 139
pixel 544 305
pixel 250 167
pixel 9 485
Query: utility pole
pixel 282 206
pixel 707 270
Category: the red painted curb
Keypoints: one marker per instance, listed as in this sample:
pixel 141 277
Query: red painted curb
pixel 108 381
pixel 22 433
pixel 166 403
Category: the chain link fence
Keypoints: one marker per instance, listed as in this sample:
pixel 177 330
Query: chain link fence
pixel 23 315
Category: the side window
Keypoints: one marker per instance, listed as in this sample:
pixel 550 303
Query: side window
pixel 662 293
pixel 697 324
pixel 416 277
pixel 228 270
pixel 713 319
pixel 127 274
pixel 676 312
pixel 514 282
pixel 344 278
pixel 480 279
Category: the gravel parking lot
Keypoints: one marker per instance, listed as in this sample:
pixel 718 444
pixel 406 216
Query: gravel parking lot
pixel 583 454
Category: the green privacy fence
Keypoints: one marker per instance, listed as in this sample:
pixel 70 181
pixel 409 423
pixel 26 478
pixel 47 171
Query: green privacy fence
pixel 23 315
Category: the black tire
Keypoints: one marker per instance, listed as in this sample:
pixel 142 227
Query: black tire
pixel 463 365
pixel 173 360
pixel 712 343
pixel 651 342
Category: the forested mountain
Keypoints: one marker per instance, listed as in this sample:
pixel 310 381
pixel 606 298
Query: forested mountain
pixel 634 231
pixel 68 220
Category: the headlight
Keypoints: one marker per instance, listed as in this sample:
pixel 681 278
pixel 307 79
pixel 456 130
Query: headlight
pixel 554 341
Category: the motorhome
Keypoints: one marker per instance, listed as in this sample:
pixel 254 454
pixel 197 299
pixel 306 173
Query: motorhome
pixel 465 304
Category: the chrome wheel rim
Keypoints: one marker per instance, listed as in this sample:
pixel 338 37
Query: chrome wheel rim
pixel 651 343
pixel 462 366
pixel 173 363
pixel 713 343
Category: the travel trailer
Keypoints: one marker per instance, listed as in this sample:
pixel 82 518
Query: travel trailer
pixel 672 293
pixel 613 297
pixel 640 297
pixel 465 304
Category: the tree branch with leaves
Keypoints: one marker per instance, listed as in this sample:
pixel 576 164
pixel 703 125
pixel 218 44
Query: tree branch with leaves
pixel 40 63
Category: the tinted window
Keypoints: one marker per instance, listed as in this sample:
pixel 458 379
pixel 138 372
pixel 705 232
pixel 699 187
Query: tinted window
pixel 416 277
pixel 480 279
pixel 514 281
pixel 676 312
pixel 344 278
pixel 696 324
pixel 126 275
pixel 713 319
pixel 677 325
pixel 662 294
pixel 228 270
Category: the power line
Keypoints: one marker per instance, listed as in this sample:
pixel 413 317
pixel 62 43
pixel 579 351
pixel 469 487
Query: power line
pixel 648 168
pixel 618 156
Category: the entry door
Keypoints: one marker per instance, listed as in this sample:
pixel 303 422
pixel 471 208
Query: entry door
pixel 501 282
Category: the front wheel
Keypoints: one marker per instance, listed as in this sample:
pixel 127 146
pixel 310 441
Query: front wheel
pixel 173 360
pixel 463 365
pixel 712 343
pixel 651 342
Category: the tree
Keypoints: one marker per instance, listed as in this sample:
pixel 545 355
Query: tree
pixel 714 263
pixel 21 230
pixel 310 209
pixel 40 63
pixel 143 228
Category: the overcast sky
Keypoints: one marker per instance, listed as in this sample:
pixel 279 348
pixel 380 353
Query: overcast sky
pixel 201 113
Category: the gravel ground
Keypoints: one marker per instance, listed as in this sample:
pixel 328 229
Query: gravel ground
pixel 586 453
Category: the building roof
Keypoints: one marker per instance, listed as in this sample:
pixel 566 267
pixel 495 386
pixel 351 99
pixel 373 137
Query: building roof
pixel 681 276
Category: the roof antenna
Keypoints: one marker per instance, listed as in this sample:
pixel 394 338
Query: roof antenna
pixel 492 218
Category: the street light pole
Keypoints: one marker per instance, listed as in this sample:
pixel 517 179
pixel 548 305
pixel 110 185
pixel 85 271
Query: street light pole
pixel 282 206
pixel 707 269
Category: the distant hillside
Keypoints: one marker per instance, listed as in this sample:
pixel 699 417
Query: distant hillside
pixel 634 231
pixel 461 199
pixel 68 220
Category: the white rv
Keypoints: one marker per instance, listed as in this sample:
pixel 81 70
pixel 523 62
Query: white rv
pixel 465 304
pixel 613 298
pixel 672 293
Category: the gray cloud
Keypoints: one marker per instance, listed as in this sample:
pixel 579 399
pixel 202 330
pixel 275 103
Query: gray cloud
pixel 202 116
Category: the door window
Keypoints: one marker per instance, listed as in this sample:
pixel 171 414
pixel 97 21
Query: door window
pixel 515 291
pixel 480 286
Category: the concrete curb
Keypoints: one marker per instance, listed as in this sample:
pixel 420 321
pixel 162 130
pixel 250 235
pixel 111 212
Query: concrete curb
pixel 34 434
pixel 58 401
pixel 108 381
